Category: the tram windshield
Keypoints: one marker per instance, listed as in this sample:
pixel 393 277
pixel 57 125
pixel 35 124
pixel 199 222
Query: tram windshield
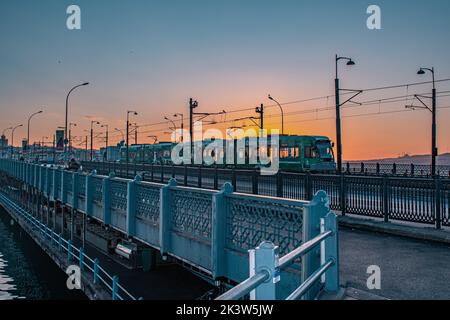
pixel 324 149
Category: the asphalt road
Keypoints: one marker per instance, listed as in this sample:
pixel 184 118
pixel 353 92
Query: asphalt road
pixel 410 269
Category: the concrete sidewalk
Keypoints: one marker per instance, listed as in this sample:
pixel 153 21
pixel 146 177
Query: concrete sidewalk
pixel 410 268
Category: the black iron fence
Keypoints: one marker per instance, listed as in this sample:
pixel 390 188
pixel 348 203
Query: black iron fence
pixel 414 199
pixel 394 169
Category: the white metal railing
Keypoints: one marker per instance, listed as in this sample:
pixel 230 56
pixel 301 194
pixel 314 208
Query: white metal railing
pixel 265 266
pixel 100 276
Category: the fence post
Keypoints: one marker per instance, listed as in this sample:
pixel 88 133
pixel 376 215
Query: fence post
pixel 185 176
pixel 308 186
pixel 199 182
pixel 317 209
pixel 394 169
pixel 279 184
pixel 216 178
pixel 75 178
pixel 412 170
pixel 264 258
pixel 331 252
pixel 164 216
pixel 90 193
pixel 218 234
pixel 343 194
pixel 438 208
pixel 255 181
pixel 107 199
pixel 114 287
pixel 162 171
pixel 131 206
pixel 378 169
pixel 385 199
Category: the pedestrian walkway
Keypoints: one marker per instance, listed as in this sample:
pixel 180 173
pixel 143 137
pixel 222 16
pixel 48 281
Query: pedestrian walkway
pixel 410 269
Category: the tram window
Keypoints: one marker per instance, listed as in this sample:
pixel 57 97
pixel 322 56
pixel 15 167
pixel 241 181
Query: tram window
pixel 289 153
pixel 310 152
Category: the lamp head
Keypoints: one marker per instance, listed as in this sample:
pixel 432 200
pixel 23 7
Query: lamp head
pixel 85 84
pixel 421 71
pixel 351 62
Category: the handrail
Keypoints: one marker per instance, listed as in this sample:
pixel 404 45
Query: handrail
pixel 262 276
pixel 245 287
pixel 300 291
pixel 289 258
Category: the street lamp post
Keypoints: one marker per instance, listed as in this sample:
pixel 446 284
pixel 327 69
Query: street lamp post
pixel 182 124
pixel 174 126
pixel 28 129
pixel 350 62
pixel 434 149
pixel 121 133
pixel 67 111
pixel 282 113
pixel 106 142
pixel 44 140
pixel 70 135
pixel 128 133
pixel 92 138
pixel 4 137
pixel 12 139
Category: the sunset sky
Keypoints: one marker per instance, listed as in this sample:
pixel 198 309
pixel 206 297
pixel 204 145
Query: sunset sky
pixel 152 56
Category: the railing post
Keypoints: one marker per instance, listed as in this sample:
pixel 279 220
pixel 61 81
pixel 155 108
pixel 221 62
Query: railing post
pixel 385 199
pixel 165 216
pixel 216 178
pixel 199 181
pixel 308 186
pixel 255 181
pixel 115 287
pixel 90 193
pixel 317 209
pixel 81 259
pixel 69 250
pixel 331 249
pixel 75 178
pixel 264 258
pixel 60 242
pixel 185 176
pixel 107 199
pixel 162 172
pixel 412 170
pixel 378 169
pixel 131 206
pixel 96 270
pixel 394 169
pixel 343 194
pixel 438 208
pixel 233 178
pixel 218 235
pixel 362 167
pixel 279 184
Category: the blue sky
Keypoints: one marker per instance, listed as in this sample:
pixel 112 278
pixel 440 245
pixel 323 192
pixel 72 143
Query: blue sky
pixel 153 55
